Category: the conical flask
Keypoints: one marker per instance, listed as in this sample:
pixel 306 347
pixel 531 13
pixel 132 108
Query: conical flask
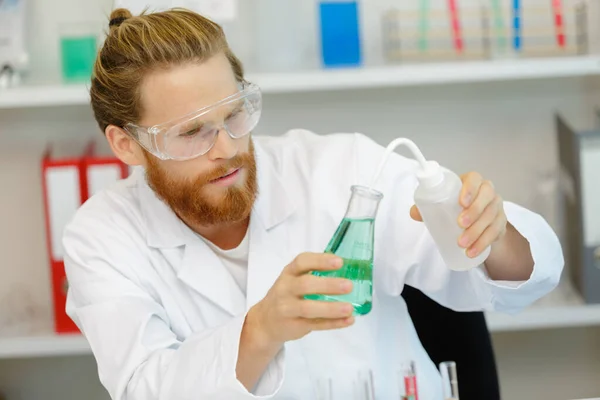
pixel 353 242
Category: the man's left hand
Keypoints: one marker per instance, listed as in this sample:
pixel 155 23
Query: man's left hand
pixel 483 216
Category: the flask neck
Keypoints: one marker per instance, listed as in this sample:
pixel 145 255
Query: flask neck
pixel 363 203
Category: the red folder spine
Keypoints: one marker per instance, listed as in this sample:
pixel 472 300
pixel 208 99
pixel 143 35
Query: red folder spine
pixel 61 183
pixel 68 183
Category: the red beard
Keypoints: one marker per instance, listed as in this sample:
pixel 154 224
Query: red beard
pixel 188 198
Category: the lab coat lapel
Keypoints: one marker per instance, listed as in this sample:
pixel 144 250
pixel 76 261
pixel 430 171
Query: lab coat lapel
pixel 266 260
pixel 269 232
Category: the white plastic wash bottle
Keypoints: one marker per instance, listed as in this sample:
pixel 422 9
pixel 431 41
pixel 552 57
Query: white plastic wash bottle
pixel 437 198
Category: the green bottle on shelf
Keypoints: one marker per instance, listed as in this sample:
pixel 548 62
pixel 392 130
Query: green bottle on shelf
pixel 353 242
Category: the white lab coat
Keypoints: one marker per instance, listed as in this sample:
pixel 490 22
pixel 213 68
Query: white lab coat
pixel 163 316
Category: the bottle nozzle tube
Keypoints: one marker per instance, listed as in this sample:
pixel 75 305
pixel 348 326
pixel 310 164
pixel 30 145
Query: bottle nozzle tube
pixel 390 149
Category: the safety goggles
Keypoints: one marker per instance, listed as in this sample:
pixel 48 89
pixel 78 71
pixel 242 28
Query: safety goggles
pixel 195 134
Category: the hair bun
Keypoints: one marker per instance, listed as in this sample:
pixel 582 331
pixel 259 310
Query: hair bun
pixel 118 16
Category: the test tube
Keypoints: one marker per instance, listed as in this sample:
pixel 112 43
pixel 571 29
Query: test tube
pixel 449 380
pixel 409 375
pixel 392 41
pixel 363 387
pixel 582 28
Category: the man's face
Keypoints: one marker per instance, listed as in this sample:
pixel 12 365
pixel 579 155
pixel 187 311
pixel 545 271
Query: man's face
pixel 220 186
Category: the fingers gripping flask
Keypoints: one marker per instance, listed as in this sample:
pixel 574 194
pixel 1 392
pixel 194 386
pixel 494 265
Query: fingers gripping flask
pixel 438 199
pixel 353 241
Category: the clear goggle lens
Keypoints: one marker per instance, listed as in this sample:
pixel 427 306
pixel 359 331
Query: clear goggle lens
pixel 195 135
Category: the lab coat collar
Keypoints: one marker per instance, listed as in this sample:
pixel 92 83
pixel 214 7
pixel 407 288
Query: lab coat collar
pixel 274 202
pixel 273 205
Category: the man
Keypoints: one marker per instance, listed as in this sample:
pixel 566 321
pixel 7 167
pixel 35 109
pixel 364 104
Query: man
pixel 189 278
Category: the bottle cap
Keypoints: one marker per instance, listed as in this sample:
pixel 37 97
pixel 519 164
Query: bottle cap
pixel 430 174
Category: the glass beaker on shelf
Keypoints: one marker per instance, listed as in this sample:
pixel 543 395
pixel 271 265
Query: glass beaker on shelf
pixel 79 43
pixel 285 33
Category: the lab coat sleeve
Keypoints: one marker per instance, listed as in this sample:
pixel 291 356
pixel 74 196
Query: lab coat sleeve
pixel 139 357
pixel 407 254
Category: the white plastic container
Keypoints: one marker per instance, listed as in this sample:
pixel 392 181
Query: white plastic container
pixel 285 31
pixel 437 198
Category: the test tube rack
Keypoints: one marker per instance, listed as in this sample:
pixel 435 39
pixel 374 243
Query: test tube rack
pixel 485 30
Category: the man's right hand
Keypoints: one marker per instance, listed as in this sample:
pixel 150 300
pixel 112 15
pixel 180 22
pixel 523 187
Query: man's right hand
pixel 284 314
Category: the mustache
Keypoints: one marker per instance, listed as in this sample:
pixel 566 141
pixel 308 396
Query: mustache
pixel 239 161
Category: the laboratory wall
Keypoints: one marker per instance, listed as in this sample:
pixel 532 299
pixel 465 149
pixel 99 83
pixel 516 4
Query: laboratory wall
pixel 504 130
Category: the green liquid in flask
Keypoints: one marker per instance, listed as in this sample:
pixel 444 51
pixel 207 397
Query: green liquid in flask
pixel 353 242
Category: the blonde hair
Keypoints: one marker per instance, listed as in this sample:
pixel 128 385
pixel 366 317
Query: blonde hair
pixel 134 46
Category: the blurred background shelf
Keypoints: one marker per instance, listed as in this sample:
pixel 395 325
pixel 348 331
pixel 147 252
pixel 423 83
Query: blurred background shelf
pixel 44 96
pixel 352 78
pixel 429 74
pixel 49 345
pixel 546 318
pixel 563 308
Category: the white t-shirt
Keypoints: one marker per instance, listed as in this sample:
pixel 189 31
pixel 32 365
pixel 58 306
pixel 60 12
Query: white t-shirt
pixel 235 260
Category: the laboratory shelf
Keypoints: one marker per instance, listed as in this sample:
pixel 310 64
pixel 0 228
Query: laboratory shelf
pixel 44 96
pixel 349 78
pixel 429 74
pixel 562 308
pixel 545 318
pixel 533 319
pixel 43 346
